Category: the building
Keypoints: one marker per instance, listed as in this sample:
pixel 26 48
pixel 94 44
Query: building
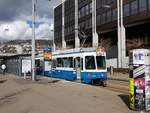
pixel 13 62
pixel 97 19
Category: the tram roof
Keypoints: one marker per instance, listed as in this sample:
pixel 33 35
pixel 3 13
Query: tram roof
pixel 77 50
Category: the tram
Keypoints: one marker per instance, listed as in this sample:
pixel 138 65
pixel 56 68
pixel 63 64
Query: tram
pixel 85 64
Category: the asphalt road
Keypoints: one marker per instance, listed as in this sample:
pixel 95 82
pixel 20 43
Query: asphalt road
pixel 59 96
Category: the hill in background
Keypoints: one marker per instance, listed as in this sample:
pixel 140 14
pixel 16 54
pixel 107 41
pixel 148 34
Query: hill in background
pixel 22 46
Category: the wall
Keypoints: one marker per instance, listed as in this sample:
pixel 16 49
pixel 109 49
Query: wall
pixel 12 65
pixel 113 62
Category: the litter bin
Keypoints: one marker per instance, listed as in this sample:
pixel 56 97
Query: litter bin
pixel 139 77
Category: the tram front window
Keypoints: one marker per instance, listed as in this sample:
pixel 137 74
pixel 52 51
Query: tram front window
pixel 90 62
pixel 101 63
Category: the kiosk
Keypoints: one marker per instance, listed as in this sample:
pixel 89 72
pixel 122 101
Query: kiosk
pixel 139 64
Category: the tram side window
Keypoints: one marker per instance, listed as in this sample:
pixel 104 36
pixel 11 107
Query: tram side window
pixel 78 63
pixel 90 62
pixel 59 62
pixel 68 62
pixel 37 63
pixel 101 63
pixel 81 63
pixel 54 63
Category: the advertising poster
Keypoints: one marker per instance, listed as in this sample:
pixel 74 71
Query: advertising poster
pixel 26 66
pixel 147 81
pixel 47 66
pixel 47 54
pixel 132 100
pixel 139 88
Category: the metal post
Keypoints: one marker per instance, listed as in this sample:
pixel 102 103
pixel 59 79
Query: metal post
pixel 77 40
pixel 33 40
pixel 24 75
pixel 54 47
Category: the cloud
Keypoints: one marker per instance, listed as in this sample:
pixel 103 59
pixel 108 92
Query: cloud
pixel 15 13
pixel 12 10
pixel 21 30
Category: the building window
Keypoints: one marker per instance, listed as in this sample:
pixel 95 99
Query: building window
pixel 103 18
pixel 103 2
pixel 134 7
pixel 90 7
pixel 82 25
pixel 108 16
pixel 149 4
pixel 90 23
pixel 114 14
pixel 98 20
pixel 86 24
pixel 82 12
pixel 108 1
pixel 98 4
pixel 79 13
pixel 142 5
pixel 126 10
pixel 87 9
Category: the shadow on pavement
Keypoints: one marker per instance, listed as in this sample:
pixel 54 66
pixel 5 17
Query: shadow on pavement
pixel 125 98
pixel 54 81
pixel 2 81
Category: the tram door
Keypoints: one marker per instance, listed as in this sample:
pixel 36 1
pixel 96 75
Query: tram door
pixel 77 66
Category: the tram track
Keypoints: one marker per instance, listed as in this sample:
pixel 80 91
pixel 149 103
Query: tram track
pixel 117 86
pixel 114 85
pixel 117 89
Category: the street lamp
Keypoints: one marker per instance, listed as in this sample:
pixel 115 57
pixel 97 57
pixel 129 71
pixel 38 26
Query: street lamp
pixel 52 30
pixel 33 38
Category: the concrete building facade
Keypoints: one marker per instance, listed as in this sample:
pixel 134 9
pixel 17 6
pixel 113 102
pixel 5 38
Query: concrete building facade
pixel 97 19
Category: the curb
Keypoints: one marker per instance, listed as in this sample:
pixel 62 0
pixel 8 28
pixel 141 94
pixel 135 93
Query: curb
pixel 119 79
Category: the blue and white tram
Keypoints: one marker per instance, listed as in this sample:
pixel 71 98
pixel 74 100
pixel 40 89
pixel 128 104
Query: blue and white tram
pixel 86 64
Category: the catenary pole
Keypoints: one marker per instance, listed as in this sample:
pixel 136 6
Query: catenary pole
pixel 33 40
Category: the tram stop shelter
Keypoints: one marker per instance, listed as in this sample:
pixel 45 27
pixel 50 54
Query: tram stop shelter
pixel 13 62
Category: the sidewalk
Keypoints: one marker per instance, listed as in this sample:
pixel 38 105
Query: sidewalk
pixel 119 76
pixel 25 96
pixel 3 77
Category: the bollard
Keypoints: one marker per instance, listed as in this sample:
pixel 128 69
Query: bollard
pixel 24 75
pixel 111 71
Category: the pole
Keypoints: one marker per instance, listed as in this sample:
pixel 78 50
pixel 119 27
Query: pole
pixel 54 47
pixel 95 35
pixel 123 36
pixel 119 34
pixel 33 40
pixel 77 40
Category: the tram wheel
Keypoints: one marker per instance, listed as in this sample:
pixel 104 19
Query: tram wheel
pixel 104 83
